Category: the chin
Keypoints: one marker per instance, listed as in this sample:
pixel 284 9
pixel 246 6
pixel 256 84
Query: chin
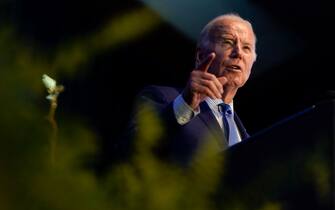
pixel 238 82
pixel 241 84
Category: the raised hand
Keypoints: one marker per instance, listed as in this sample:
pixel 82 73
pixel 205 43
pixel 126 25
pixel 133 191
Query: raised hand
pixel 202 84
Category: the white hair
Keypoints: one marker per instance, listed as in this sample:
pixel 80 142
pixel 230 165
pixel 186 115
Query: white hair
pixel 204 34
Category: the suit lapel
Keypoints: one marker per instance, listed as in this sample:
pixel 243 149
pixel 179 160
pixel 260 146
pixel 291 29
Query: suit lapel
pixel 207 116
pixel 209 119
pixel 241 128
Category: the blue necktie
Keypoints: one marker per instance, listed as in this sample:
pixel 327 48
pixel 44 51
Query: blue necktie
pixel 231 130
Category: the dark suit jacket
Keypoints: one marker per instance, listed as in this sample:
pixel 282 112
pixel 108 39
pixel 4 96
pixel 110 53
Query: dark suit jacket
pixel 181 141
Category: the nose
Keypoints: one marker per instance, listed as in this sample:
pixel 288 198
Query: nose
pixel 236 51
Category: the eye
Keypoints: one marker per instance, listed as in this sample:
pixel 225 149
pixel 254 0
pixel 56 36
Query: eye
pixel 227 42
pixel 247 48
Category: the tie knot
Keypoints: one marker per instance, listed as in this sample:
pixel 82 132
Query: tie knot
pixel 225 109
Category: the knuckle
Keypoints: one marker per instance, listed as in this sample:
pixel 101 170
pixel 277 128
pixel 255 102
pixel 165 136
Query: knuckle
pixel 206 82
pixel 212 86
pixel 212 76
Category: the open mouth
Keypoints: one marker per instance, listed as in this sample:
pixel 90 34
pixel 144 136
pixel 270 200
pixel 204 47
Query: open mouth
pixel 233 68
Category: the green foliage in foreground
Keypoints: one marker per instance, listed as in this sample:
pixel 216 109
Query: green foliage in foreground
pixel 30 181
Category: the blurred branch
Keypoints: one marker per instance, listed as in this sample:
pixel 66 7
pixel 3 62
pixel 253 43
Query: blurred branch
pixel 54 90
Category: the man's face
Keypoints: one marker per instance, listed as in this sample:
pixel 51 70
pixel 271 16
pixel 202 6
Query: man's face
pixel 234 45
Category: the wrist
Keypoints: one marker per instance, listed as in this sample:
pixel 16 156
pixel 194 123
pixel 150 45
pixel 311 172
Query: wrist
pixel 189 99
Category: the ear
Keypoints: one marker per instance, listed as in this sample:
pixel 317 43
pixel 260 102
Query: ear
pixel 199 56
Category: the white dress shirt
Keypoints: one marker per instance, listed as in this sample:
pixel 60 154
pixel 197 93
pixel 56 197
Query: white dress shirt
pixel 184 113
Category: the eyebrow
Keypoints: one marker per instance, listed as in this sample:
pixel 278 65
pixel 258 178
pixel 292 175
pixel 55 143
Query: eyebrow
pixel 220 34
pixel 247 43
pixel 222 31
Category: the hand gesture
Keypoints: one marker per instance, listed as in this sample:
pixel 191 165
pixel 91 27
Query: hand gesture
pixel 202 84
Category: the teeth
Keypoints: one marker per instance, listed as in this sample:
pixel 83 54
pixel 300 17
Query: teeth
pixel 235 68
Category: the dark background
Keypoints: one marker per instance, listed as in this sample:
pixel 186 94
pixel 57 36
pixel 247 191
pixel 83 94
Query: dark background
pixel 103 93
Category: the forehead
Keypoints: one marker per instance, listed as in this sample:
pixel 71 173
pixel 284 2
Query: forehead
pixel 235 28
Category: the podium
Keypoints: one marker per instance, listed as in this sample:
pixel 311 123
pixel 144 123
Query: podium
pixel 289 165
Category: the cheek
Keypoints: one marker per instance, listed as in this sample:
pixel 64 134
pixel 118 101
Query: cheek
pixel 248 66
pixel 214 68
pixel 245 76
pixel 247 72
pixel 217 62
pixel 220 55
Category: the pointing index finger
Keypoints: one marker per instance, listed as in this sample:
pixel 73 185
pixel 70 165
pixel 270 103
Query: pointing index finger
pixel 206 63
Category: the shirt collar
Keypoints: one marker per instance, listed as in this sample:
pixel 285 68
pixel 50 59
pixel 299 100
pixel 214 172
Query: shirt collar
pixel 213 104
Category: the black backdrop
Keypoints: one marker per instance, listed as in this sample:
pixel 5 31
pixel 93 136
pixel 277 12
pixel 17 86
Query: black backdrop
pixel 165 56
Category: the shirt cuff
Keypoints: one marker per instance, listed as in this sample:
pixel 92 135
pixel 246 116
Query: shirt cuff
pixel 182 111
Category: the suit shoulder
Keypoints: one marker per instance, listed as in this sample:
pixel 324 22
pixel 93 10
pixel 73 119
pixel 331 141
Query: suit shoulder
pixel 160 94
